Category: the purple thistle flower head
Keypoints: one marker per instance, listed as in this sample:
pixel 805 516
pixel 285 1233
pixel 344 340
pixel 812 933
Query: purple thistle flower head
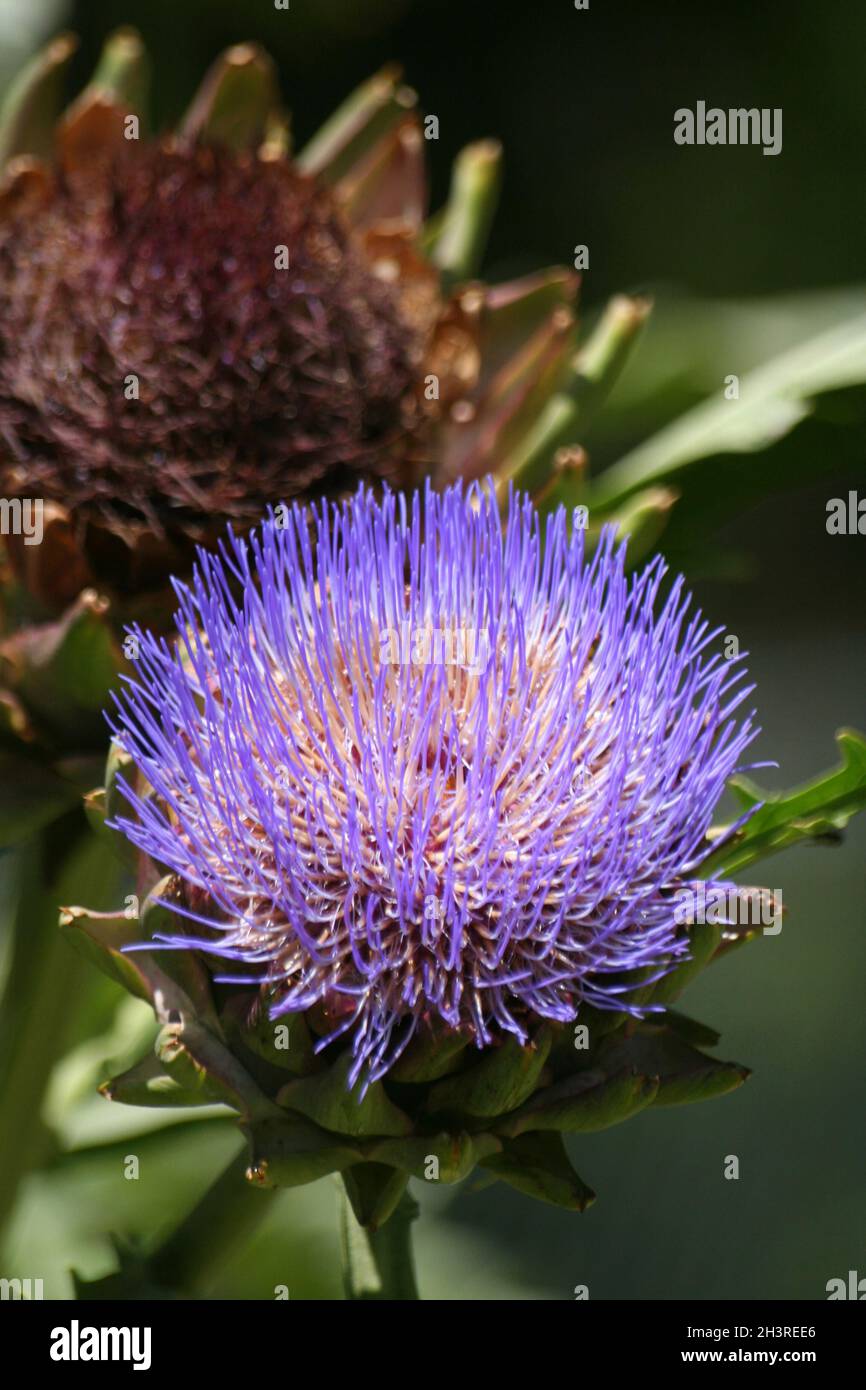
pixel 425 769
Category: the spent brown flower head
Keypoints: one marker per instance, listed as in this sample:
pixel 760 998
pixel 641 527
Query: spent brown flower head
pixel 186 330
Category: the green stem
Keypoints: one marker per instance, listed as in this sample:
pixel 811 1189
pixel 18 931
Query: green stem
pixel 378 1264
pixel 43 994
pixel 217 1228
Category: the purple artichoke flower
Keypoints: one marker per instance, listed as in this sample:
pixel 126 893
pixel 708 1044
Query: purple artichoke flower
pixel 412 767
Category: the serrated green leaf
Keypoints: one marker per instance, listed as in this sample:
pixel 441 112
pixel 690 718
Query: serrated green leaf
pixel 326 1099
pixel 819 809
pixel 538 1165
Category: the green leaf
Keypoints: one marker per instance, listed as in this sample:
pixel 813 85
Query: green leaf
pixel 32 104
pixel 538 1165
pixel 118 764
pixel 691 344
pixel 31 796
pixel 236 100
pixel 45 989
pixel 704 938
pixel 202 1065
pixel 431 1054
pixel 773 398
pixel 123 72
pixel 148 1083
pixel 63 672
pixel 691 1029
pixel 642 517
pixel 458 244
pixel 184 968
pixel 443 1157
pixel 818 810
pixel 683 1073
pixel 326 1099
pixel 174 982
pixel 100 936
pixel 589 1101
pixel 292 1151
pixel 286 1043
pixel 502 1080
pixel 364 117
pixel 132 1282
pixel 585 386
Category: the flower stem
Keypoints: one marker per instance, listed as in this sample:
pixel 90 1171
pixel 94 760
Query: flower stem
pixel 217 1227
pixel 45 992
pixel 378 1264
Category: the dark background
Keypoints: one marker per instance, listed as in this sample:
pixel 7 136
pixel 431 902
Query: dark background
pixel 584 102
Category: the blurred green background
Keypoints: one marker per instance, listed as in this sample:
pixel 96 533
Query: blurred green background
pixel 745 256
